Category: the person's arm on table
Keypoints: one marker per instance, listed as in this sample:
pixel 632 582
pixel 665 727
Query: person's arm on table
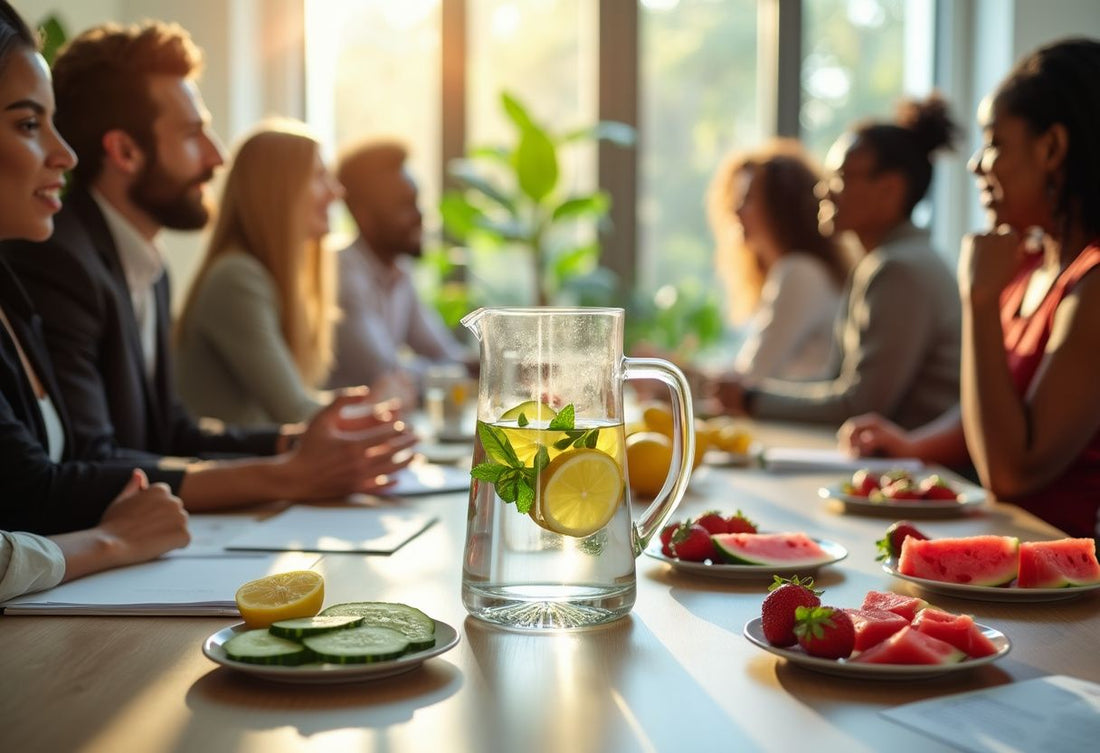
pixel 940 441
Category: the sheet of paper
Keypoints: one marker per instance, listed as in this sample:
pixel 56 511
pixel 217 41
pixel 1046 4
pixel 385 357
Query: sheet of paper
pixel 364 530
pixel 1055 714
pixel 172 586
pixel 211 532
pixel 790 459
pixel 427 478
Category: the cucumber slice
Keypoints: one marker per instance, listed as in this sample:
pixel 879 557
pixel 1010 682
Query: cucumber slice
pixel 360 645
pixel 261 647
pixel 303 626
pixel 418 627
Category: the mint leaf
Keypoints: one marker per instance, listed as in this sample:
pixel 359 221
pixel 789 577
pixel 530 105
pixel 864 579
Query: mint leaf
pixel 564 443
pixel 525 499
pixel 591 437
pixel 507 485
pixel 497 446
pixel 522 420
pixel 487 472
pixel 564 420
pixel 542 459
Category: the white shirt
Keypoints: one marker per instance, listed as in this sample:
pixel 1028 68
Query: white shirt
pixel 28 562
pixel 143 264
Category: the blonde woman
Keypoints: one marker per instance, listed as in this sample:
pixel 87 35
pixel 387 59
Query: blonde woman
pixel 784 278
pixel 255 338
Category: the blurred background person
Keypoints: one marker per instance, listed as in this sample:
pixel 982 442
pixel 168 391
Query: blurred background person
pixel 900 320
pixel 783 276
pixel 382 318
pixel 254 341
pixel 1031 300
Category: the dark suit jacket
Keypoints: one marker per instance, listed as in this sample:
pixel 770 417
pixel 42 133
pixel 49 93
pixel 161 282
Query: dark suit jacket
pixel 37 494
pixel 77 284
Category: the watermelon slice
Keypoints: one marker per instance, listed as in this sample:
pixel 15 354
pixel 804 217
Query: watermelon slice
pixel 786 549
pixel 873 626
pixel 957 629
pixel 1058 564
pixel 909 646
pixel 973 560
pixel 906 606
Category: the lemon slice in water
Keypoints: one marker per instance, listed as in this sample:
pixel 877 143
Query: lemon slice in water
pixel 532 410
pixel 283 596
pixel 580 492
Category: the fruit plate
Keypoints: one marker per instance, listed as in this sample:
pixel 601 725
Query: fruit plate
pixel 970 496
pixel 754 632
pixel 446 638
pixel 991 593
pixel 835 551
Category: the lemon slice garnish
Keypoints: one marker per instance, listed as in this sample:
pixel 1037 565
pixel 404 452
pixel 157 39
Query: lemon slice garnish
pixel 532 409
pixel 580 492
pixel 283 596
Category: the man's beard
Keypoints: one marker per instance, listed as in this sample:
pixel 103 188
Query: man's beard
pixel 166 199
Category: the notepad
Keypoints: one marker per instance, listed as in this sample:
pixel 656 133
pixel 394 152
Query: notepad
pixel 804 460
pixel 362 530
pixel 170 586
pixel 1056 714
pixel 427 478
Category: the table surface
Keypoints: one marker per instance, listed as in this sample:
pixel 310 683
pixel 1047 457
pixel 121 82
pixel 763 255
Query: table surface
pixel 675 671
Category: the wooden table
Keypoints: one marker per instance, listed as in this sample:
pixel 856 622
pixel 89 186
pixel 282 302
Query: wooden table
pixel 675 674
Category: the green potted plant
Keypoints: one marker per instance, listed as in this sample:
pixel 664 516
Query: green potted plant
pixel 513 196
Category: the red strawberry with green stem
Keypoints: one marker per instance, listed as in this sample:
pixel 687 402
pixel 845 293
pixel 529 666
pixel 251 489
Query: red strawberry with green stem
pixel 825 632
pixel 692 542
pixel 666 539
pixel 713 522
pixel 777 613
pixel 863 483
pixel 934 487
pixel 740 523
pixel 890 545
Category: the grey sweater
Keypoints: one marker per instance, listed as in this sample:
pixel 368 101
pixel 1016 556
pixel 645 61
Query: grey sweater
pixel 898 334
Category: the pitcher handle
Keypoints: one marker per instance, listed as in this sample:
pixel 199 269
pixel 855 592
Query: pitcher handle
pixel 683 445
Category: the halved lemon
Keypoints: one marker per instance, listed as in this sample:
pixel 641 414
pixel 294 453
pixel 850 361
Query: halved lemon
pixel 533 410
pixel 283 596
pixel 580 492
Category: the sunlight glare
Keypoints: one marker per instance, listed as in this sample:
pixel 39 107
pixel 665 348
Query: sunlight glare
pixel 506 20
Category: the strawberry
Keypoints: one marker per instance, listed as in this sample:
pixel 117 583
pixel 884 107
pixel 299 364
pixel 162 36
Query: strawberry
pixel 890 545
pixel 713 522
pixel 777 611
pixel 934 487
pixel 898 474
pixel 863 483
pixel 825 632
pixel 692 542
pixel 666 539
pixel 903 488
pixel 739 523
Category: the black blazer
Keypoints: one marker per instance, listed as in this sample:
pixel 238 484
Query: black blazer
pixel 77 284
pixel 37 494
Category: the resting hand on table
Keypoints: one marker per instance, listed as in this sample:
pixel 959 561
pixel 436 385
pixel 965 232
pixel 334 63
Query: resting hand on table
pixel 144 522
pixel 729 392
pixel 349 447
pixel 871 434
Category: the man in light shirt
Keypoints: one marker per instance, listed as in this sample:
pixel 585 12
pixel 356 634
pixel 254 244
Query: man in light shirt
pixel 129 105
pixel 382 316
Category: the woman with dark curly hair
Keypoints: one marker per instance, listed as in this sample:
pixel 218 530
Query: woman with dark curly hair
pixel 898 334
pixel 1030 419
pixel 783 276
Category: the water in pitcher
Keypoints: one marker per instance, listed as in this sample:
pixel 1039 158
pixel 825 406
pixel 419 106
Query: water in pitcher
pixel 549 540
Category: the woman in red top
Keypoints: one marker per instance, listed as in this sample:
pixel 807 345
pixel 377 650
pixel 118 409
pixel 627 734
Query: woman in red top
pixel 1030 413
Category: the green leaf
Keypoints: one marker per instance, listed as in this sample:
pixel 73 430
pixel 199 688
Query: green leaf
pixel 459 215
pixel 564 443
pixel 592 437
pixel 577 261
pixel 564 420
pixel 487 472
pixel 53 37
pixel 499 154
pixel 619 134
pixel 536 163
pixel 497 446
pixel 582 206
pixel 522 420
pixel 515 111
pixel 508 486
pixel 525 498
pixel 542 459
pixel 467 173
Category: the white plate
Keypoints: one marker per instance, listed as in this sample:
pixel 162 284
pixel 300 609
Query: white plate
pixel 842 668
pixel 991 593
pixel 446 638
pixel 970 496
pixel 746 572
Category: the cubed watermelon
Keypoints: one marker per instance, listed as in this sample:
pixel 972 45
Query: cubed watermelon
pixel 957 629
pixel 973 560
pixel 874 626
pixel 1058 564
pixel 909 646
pixel 906 606
pixel 785 549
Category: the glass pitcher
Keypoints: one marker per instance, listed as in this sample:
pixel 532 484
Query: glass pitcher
pixel 549 541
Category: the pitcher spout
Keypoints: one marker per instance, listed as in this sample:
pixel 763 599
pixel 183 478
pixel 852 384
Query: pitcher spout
pixel 472 321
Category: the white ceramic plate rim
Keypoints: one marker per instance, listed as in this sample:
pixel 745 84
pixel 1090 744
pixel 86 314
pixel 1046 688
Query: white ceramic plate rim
pixel 726 570
pixel 754 632
pixel 446 638
pixel 991 593
pixel 969 496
